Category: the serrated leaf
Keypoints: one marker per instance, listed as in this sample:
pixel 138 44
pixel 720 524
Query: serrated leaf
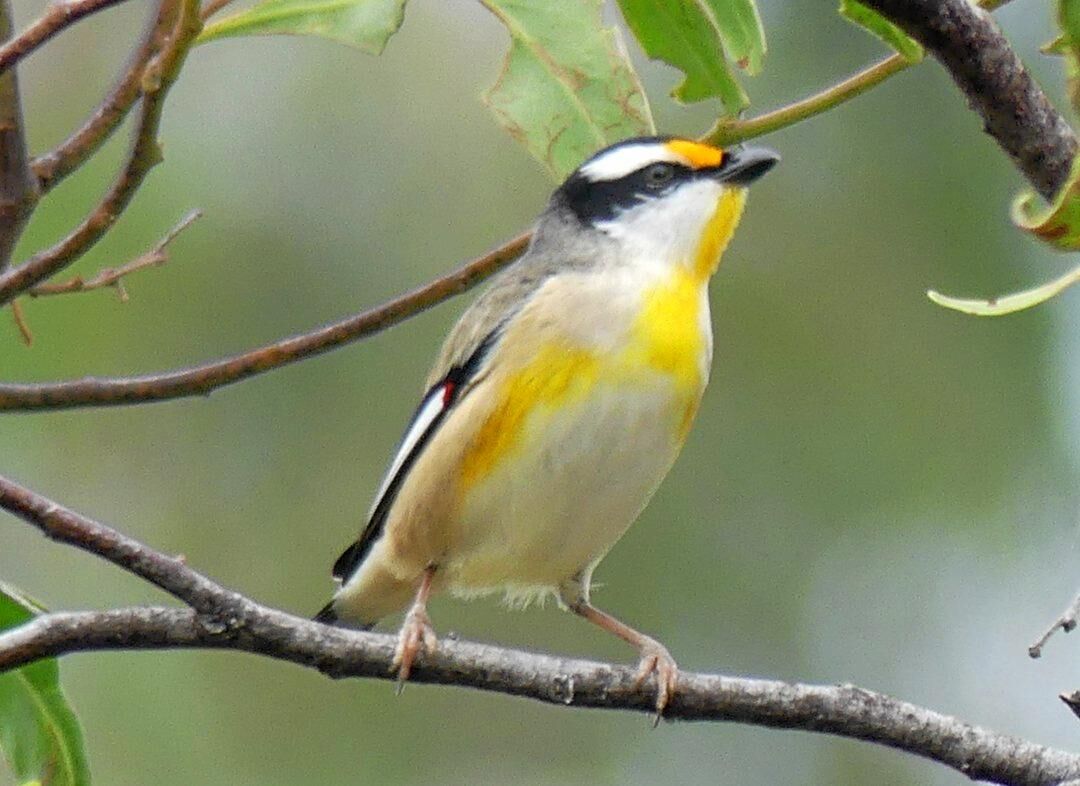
pixel 39 733
pixel 702 38
pixel 1058 223
pixel 856 12
pixel 567 88
pixel 364 24
pixel 1007 304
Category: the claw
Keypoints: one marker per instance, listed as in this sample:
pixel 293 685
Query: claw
pixel 416 635
pixel 656 659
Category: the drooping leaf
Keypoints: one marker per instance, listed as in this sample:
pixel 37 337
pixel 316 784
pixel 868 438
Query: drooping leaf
pixel 1058 223
pixel 567 87
pixel 892 35
pixel 39 734
pixel 1007 304
pixel 702 38
pixel 364 24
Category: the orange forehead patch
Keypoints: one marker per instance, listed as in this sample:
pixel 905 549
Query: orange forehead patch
pixel 698 155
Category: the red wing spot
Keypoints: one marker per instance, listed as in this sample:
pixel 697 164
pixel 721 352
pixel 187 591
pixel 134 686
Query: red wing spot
pixel 448 393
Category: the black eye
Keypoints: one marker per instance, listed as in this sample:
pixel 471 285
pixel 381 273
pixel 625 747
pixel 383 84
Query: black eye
pixel 659 175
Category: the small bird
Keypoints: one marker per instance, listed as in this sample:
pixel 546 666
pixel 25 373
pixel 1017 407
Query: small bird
pixel 559 401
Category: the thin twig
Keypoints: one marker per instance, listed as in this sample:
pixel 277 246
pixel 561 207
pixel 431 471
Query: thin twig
pixel 69 155
pixel 201 380
pixel 58 17
pixel 223 619
pixel 728 131
pixel 23 326
pixel 211 7
pixel 66 526
pixel 1065 623
pixel 114 276
pixel 145 154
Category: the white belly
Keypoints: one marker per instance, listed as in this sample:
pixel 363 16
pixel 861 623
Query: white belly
pixel 583 474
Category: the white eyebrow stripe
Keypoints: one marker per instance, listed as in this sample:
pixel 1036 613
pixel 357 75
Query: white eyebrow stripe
pixel 621 161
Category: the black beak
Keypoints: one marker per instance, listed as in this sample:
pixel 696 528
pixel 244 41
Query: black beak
pixel 743 165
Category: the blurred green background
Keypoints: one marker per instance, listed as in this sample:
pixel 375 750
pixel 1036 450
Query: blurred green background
pixel 877 491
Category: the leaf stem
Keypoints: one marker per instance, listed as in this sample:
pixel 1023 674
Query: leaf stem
pixel 728 131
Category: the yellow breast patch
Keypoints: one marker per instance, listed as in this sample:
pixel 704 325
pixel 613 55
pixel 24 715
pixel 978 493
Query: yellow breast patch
pixel 557 376
pixel 667 338
pixel 718 231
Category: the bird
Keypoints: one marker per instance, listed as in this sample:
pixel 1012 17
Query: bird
pixel 558 402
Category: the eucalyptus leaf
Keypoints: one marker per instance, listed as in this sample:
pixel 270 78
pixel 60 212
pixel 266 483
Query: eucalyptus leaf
pixel 1007 304
pixel 364 24
pixel 856 12
pixel 1058 223
pixel 39 733
pixel 567 88
pixel 703 39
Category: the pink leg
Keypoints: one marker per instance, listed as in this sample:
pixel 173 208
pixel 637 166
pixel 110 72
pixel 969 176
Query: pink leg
pixel 416 631
pixel 654 655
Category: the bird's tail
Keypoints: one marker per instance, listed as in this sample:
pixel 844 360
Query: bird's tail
pixel 328 616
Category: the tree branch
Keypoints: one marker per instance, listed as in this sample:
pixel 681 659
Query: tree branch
pixel 114 276
pixel 18 191
pixel 1015 111
pixel 1066 622
pixel 222 619
pixel 59 17
pixel 201 380
pixel 145 153
pixel 69 155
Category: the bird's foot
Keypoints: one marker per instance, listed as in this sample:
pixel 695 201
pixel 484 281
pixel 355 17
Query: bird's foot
pixel 656 659
pixel 416 634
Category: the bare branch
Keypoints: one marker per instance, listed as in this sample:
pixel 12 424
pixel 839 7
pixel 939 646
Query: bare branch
pixel 145 154
pixel 222 619
pixel 67 526
pixel 69 155
pixel 114 276
pixel 21 324
pixel 18 189
pixel 201 380
pixel 1015 111
pixel 1065 623
pixel 59 17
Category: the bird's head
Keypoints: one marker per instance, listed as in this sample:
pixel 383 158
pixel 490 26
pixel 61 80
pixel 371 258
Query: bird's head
pixel 668 198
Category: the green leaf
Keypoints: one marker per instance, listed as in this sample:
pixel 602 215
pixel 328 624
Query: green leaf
pixel 892 35
pixel 1068 45
pixel 567 88
pixel 1008 304
pixel 1057 224
pixel 702 38
pixel 364 24
pixel 39 733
